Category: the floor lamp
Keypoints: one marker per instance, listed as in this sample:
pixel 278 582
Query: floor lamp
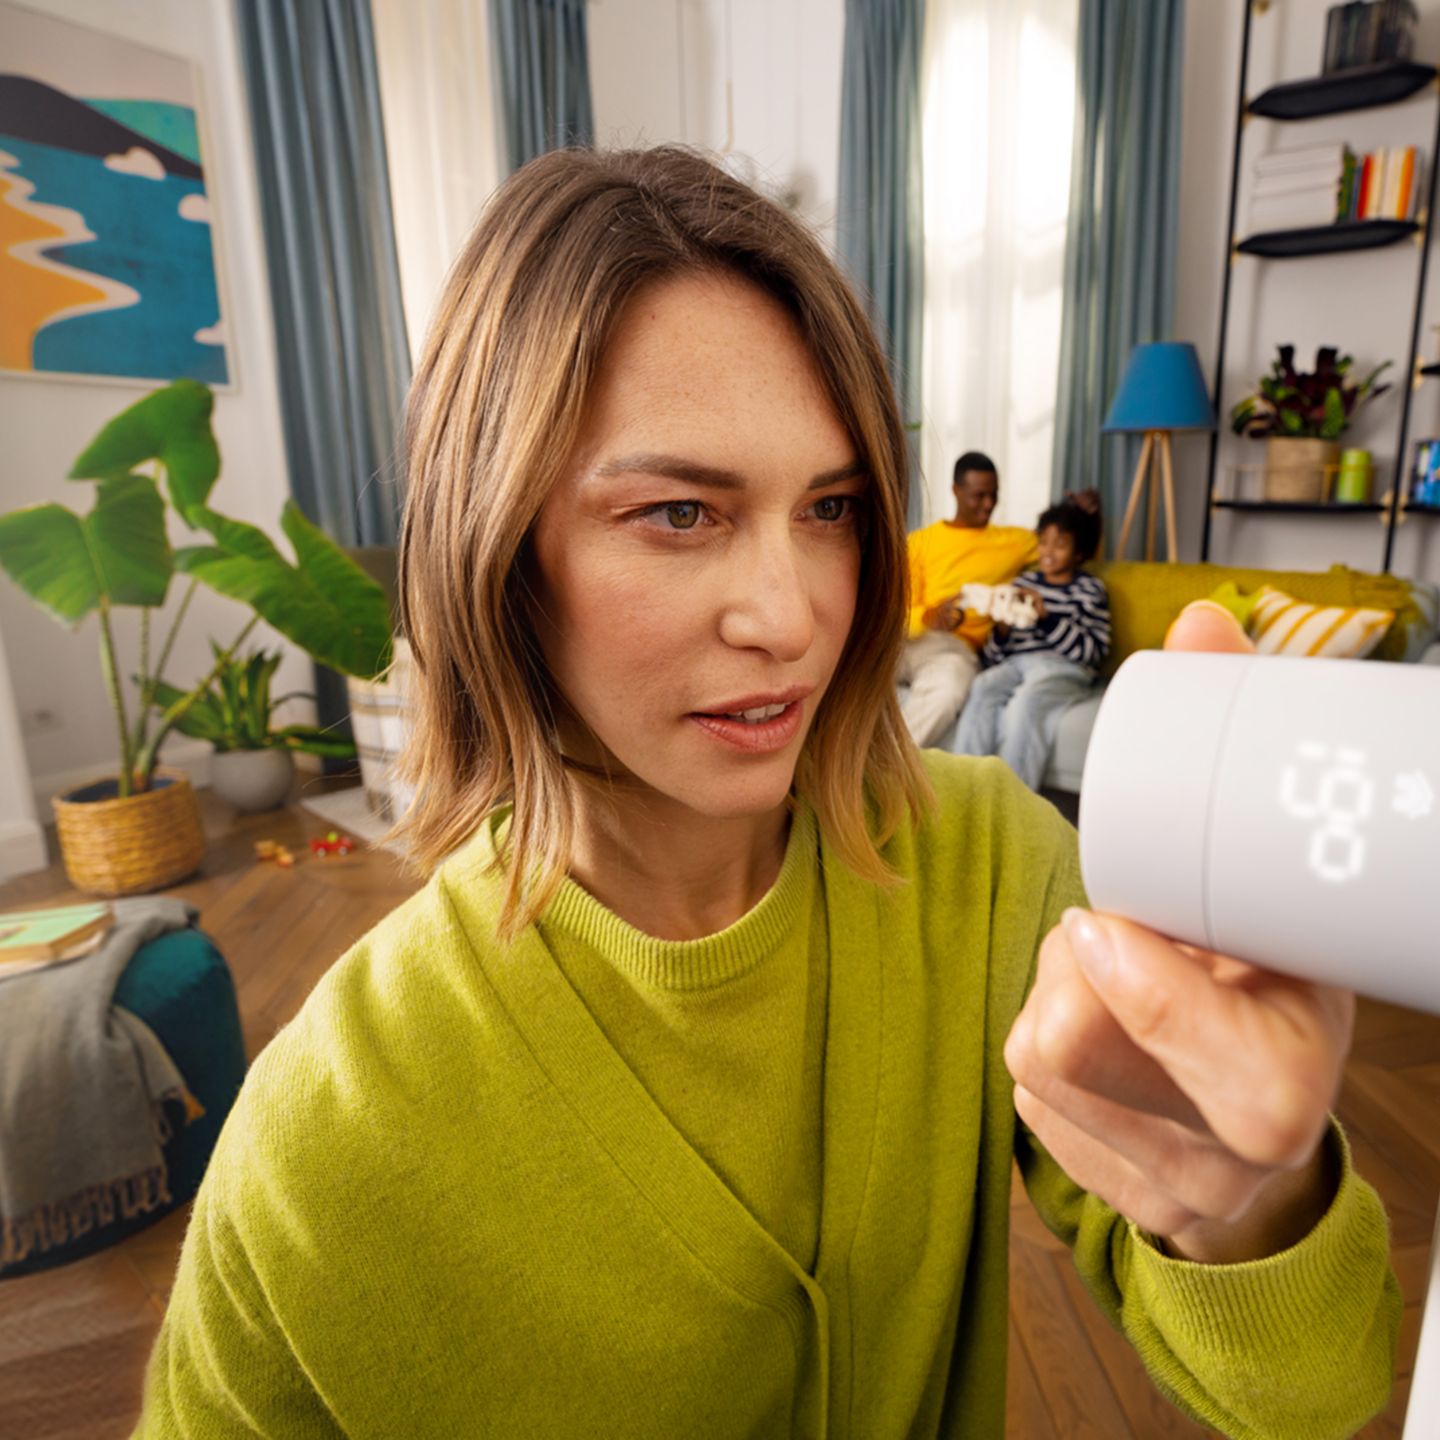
pixel 1162 391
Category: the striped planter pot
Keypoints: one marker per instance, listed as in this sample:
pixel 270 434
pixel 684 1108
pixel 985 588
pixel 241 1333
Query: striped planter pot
pixel 378 716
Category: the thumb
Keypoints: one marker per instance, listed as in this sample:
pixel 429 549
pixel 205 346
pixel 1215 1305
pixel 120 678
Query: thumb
pixel 1208 625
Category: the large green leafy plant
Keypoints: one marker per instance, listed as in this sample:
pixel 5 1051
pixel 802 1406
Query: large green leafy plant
pixel 161 455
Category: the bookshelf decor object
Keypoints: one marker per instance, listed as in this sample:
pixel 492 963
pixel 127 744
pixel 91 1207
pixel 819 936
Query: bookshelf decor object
pixel 1324 200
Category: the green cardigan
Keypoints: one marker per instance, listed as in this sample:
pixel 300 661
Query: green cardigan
pixel 444 1206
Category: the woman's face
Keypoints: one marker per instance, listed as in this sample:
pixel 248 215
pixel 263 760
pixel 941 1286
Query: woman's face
pixel 701 555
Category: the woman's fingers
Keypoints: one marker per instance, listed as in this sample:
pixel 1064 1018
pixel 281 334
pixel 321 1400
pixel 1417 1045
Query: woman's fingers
pixel 1101 1171
pixel 1259 1058
pixel 1065 1035
pixel 1188 1169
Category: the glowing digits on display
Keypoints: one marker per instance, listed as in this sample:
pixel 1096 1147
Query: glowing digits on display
pixel 1342 797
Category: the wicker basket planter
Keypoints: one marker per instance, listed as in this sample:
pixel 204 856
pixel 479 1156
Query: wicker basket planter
pixel 127 847
pixel 1300 470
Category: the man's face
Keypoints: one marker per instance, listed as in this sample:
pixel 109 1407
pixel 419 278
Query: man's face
pixel 976 492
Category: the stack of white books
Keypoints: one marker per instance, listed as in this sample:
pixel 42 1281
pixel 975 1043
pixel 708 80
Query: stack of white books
pixel 1296 189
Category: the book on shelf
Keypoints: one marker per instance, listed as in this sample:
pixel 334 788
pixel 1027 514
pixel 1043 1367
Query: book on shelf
pixel 1383 185
pixel 1366 32
pixel 32 938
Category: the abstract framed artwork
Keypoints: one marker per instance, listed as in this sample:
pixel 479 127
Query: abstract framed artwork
pixel 107 261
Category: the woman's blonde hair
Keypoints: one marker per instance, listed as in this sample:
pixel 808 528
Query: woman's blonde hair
pixel 493 416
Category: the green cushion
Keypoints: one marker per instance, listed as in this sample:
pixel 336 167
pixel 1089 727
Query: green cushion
pixel 1146 596
pixel 180 986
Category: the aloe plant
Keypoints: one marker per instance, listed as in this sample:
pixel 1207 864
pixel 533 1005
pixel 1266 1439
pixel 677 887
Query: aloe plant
pixel 157 456
pixel 235 710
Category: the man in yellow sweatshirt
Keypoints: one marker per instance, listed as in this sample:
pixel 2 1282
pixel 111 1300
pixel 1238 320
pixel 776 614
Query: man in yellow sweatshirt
pixel 943 653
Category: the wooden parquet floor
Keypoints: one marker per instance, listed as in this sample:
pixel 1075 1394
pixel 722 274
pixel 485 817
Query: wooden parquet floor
pixel 73 1341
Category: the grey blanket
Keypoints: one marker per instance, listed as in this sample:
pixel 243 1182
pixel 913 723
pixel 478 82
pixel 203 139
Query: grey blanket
pixel 81 1091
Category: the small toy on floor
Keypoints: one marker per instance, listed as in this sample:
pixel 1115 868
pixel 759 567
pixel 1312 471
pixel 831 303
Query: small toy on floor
pixel 273 850
pixel 1006 604
pixel 333 844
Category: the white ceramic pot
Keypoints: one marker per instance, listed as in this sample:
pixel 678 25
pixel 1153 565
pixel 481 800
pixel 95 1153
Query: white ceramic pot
pixel 252 779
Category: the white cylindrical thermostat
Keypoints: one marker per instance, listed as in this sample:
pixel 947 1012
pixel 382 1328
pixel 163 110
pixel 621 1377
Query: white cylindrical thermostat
pixel 1285 811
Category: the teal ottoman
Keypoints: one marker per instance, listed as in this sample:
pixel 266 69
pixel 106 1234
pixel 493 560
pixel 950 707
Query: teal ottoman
pixel 180 986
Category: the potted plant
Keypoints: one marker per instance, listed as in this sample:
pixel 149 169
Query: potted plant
pixel 139 829
pixel 1301 416
pixel 253 761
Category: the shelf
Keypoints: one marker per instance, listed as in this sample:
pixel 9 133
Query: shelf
pixel 1430 369
pixel 1360 88
pixel 1304 507
pixel 1420 509
pixel 1327 239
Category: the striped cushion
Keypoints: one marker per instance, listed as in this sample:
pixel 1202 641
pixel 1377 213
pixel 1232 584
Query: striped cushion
pixel 1282 625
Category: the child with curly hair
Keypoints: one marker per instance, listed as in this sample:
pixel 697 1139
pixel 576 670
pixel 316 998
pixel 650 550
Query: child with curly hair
pixel 1033 674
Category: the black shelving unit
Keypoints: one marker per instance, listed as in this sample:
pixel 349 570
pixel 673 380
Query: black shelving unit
pixel 1305 507
pixel 1363 87
pixel 1327 239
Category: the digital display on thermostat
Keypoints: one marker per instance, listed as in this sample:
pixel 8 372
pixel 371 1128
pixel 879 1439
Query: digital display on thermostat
pixel 1331 789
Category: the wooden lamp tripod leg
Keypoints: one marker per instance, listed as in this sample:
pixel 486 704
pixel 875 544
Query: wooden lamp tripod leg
pixel 1167 471
pixel 1142 470
pixel 1152 501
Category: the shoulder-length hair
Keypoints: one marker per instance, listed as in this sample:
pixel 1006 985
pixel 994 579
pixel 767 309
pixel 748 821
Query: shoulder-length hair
pixel 493 416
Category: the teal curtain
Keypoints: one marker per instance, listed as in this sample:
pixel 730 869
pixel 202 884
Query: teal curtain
pixel 879 224
pixel 542 67
pixel 341 350
pixel 1120 248
pixel 342 357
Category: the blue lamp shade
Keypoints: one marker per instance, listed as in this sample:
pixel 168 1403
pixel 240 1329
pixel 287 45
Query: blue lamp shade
pixel 1163 389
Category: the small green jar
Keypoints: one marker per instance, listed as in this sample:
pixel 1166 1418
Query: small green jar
pixel 1352 483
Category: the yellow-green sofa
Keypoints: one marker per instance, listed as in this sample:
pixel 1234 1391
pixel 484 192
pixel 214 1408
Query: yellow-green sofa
pixel 1146 596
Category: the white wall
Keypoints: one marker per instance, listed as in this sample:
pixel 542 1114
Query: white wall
pixel 1360 302
pixel 658 73
pixel 69 734
pixel 22 842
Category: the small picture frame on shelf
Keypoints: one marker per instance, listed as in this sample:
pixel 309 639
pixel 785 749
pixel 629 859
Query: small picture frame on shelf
pixel 1425 473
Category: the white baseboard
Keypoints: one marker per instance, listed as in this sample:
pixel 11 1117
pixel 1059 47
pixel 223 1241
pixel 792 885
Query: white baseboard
pixel 191 756
pixel 22 848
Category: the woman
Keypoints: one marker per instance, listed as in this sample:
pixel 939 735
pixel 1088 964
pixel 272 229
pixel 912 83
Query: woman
pixel 676 1104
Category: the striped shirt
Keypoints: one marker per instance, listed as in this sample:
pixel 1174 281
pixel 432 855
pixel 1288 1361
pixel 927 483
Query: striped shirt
pixel 1075 626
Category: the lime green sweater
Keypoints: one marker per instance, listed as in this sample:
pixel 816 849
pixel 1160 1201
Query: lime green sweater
pixel 575 1187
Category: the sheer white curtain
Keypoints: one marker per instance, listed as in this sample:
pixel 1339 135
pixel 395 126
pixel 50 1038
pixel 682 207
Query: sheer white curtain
pixel 998 91
pixel 441 133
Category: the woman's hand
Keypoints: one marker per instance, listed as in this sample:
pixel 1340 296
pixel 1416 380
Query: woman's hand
pixel 1190 1091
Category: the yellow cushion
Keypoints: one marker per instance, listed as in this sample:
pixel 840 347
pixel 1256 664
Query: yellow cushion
pixel 1282 625
pixel 1145 596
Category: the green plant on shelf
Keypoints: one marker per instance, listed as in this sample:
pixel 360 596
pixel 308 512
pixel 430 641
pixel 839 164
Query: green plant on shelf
pixel 1306 405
